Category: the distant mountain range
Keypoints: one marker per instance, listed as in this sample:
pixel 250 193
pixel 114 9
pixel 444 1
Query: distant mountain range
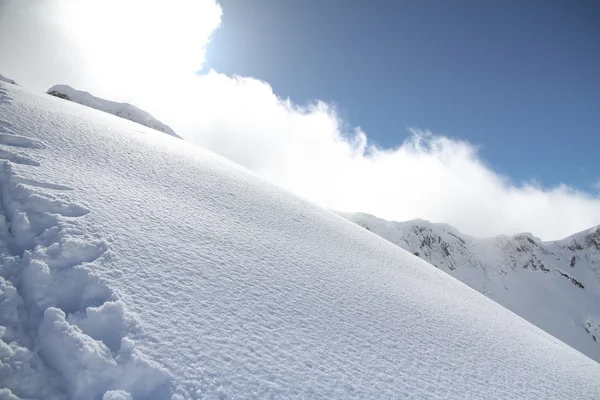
pixel 554 285
pixel 123 110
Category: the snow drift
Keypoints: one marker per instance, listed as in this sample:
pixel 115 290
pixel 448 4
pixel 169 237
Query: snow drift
pixel 137 266
pixel 123 110
pixel 8 80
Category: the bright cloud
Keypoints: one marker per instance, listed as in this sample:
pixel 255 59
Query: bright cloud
pixel 147 56
pixel 306 150
pixel 131 43
pixel 112 47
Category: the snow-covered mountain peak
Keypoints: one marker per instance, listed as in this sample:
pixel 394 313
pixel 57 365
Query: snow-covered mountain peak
pixel 123 110
pixel 589 238
pixel 527 236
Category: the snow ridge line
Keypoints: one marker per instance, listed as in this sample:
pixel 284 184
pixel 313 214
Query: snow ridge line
pixel 54 311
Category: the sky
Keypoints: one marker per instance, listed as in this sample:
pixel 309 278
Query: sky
pixel 518 78
pixel 478 114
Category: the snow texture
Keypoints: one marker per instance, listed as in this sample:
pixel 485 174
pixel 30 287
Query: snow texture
pixel 554 285
pixel 136 266
pixel 123 110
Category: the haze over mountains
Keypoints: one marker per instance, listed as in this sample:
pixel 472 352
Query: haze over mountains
pixel 135 265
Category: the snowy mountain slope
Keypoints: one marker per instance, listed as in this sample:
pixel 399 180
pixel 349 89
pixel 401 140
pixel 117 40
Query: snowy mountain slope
pixel 123 110
pixel 7 80
pixel 555 285
pixel 137 266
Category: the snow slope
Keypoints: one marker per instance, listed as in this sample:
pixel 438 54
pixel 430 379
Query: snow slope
pixel 137 266
pixel 123 110
pixel 554 285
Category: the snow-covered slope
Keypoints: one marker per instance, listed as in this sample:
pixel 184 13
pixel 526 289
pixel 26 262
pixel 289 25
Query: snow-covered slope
pixel 137 266
pixel 555 285
pixel 123 110
pixel 7 80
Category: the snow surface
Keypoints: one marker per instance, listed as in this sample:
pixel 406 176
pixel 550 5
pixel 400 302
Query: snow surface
pixel 123 110
pixel 136 266
pixel 554 285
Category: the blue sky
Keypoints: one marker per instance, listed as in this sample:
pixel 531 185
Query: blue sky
pixel 521 79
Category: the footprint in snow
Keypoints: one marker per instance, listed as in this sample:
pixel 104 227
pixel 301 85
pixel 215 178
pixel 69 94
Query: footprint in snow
pixel 20 141
pixel 17 158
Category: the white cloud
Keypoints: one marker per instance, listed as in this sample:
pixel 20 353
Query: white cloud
pixel 302 148
pixel 305 150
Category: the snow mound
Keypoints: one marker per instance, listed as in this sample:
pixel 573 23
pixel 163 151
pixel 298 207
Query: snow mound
pixel 554 285
pixel 7 80
pixel 123 110
pixel 136 266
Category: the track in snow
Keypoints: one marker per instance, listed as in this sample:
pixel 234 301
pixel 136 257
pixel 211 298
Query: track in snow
pixel 20 141
pixel 63 331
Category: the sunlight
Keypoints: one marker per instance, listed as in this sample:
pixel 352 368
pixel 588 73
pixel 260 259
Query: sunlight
pixel 127 44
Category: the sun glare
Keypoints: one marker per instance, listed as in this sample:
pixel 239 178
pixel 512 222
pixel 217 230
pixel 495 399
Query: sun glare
pixel 127 43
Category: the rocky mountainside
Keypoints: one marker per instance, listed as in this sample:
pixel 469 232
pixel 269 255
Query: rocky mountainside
pixel 555 285
pixel 123 110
